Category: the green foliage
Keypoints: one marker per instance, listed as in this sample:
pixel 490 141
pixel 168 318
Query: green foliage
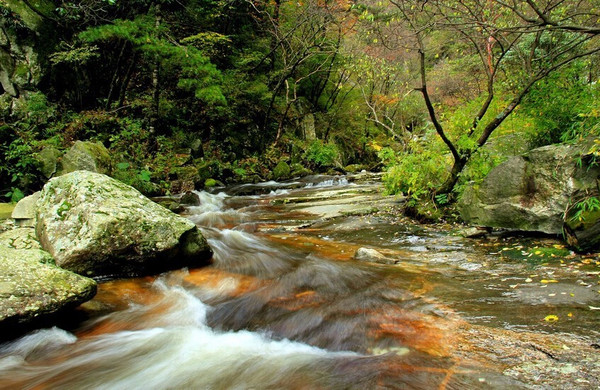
pixel 15 195
pixel 322 154
pixel 416 173
pixel 563 106
pixel 75 56
pixel 195 72
pixel 578 212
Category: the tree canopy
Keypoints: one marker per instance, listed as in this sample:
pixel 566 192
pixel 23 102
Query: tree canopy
pixel 434 91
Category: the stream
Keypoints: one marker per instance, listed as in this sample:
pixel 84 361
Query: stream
pixel 286 305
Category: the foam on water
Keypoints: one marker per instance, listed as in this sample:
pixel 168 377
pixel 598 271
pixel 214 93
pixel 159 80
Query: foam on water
pixel 212 211
pixel 176 349
pixel 242 252
pixel 329 183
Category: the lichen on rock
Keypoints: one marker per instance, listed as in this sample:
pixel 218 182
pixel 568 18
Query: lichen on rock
pixel 95 225
pixel 31 286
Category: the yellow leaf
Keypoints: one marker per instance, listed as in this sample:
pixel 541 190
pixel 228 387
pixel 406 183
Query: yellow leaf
pixel 548 281
pixel 570 315
pixel 551 318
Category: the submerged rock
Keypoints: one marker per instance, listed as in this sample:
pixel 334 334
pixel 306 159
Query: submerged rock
pixel 474 232
pixel 372 256
pixel 31 286
pixel 190 198
pixel 530 192
pixel 95 225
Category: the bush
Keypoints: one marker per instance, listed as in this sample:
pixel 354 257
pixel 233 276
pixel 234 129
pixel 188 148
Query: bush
pixel 416 173
pixel 321 154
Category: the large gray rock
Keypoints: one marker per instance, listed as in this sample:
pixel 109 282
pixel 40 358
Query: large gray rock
pixel 530 192
pixel 31 286
pixel 95 225
pixel 86 156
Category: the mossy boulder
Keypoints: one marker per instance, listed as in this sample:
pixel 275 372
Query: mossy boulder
pixel 209 183
pixel 530 192
pixel 86 156
pixel 582 231
pixel 48 159
pixel 31 286
pixel 95 225
pixel 354 168
pixel 298 170
pixel 281 171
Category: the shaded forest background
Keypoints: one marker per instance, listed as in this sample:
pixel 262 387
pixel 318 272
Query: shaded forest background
pixel 200 91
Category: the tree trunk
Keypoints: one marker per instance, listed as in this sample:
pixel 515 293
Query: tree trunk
pixel 455 172
pixel 125 84
pixel 156 72
pixel 115 77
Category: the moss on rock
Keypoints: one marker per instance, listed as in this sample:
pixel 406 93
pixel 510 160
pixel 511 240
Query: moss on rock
pixel 31 286
pixel 95 225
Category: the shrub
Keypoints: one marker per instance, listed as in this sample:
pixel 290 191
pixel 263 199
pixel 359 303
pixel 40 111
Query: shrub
pixel 321 154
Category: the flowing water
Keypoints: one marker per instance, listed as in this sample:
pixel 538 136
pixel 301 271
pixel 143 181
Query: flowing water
pixel 286 306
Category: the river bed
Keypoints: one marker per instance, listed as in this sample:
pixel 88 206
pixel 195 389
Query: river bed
pixel 286 305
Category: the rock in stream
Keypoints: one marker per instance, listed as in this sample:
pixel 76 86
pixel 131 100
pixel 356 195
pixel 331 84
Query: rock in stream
pixel 97 226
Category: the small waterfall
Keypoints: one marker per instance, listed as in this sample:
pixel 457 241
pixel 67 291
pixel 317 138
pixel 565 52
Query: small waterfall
pixel 342 181
pixel 212 212
pixel 241 252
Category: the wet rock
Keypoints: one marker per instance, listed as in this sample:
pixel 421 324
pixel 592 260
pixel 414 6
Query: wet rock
pixel 190 198
pixel 474 232
pixel 179 186
pixel 86 156
pixel 31 286
pixel 210 183
pixel 583 232
pixel 24 211
pixel 530 192
pixel 372 256
pixel 95 225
